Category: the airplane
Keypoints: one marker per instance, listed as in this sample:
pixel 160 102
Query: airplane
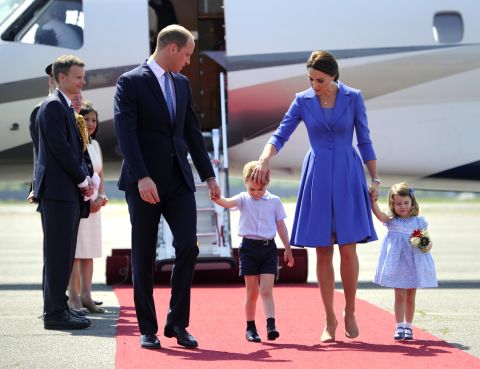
pixel 416 63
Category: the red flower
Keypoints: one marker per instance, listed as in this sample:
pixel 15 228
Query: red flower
pixel 417 233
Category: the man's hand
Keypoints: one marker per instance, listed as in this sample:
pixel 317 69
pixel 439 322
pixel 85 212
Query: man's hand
pixel 148 190
pixel 87 191
pixel 31 198
pixel 214 190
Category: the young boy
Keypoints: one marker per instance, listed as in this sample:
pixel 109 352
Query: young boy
pixel 261 217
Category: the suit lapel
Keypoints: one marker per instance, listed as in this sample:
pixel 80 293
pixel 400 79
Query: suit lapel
pixel 154 85
pixel 313 104
pixel 70 114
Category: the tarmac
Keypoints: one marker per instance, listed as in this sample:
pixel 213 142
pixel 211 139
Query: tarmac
pixel 449 312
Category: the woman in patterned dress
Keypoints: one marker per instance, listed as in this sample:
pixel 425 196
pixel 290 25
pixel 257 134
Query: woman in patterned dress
pixel 401 265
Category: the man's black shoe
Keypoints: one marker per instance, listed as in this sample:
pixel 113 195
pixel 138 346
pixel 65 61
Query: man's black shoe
pixel 183 337
pixel 149 341
pixel 66 322
pixel 252 335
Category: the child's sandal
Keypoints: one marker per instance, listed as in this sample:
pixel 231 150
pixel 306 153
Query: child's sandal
pixel 408 334
pixel 399 334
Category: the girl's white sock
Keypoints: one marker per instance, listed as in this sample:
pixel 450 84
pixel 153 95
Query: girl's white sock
pixel 407 325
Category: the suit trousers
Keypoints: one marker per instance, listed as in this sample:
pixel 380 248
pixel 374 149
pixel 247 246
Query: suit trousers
pixel 178 207
pixel 60 220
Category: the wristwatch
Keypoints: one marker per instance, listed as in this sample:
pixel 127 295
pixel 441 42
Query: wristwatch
pixel 376 180
pixel 103 196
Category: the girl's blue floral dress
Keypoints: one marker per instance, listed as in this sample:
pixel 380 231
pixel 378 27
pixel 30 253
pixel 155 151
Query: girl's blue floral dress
pixel 400 265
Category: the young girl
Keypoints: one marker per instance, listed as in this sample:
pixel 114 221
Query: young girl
pixel 261 216
pixel 401 265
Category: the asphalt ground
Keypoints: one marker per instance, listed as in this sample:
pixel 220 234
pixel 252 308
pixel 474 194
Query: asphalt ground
pixel 449 312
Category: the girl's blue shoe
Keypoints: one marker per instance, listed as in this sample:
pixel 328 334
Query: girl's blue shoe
pixel 400 334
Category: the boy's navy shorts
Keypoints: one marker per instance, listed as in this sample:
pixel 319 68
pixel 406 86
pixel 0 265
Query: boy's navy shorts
pixel 258 257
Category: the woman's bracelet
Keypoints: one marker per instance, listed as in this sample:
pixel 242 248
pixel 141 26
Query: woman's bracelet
pixel 376 180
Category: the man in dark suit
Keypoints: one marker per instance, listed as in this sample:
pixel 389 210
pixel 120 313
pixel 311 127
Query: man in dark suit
pixel 61 182
pixel 52 85
pixel 156 127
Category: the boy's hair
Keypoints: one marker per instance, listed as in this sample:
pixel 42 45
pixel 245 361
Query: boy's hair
pixel 403 189
pixel 63 64
pixel 248 170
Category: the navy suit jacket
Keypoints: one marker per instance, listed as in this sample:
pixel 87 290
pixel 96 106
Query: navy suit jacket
pixel 60 163
pixel 145 136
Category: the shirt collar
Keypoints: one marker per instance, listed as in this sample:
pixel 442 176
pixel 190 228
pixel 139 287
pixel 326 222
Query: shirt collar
pixel 264 197
pixel 69 102
pixel 156 69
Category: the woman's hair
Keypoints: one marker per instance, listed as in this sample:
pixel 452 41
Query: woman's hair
pixel 248 170
pixel 403 189
pixel 324 62
pixel 87 108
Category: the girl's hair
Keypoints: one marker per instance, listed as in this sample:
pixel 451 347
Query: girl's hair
pixel 403 189
pixel 248 170
pixel 324 62
pixel 87 108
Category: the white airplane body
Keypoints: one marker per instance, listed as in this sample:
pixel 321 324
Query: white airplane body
pixel 417 64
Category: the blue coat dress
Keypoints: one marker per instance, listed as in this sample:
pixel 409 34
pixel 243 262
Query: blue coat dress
pixel 333 194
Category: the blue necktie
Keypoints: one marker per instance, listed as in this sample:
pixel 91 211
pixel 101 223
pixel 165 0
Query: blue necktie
pixel 168 99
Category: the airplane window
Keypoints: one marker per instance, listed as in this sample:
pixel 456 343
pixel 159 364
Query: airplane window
pixel 448 27
pixel 60 23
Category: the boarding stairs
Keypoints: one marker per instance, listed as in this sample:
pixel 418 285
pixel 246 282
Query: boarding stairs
pixel 213 221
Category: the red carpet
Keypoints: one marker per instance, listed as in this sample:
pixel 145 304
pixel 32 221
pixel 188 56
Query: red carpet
pixel 217 321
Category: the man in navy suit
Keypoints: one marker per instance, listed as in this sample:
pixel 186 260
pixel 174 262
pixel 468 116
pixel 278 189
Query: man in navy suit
pixel 61 182
pixel 156 127
pixel 52 85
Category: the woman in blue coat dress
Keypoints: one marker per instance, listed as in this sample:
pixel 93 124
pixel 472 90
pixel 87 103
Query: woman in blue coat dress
pixel 333 203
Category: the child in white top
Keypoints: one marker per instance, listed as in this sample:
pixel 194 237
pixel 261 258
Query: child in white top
pixel 261 217
pixel 402 265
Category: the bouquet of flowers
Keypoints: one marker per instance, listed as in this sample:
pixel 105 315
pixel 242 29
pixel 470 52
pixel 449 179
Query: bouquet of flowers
pixel 420 239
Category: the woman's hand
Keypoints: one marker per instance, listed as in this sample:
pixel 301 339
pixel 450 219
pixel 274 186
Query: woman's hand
pixel 261 173
pixel 94 206
pixel 101 200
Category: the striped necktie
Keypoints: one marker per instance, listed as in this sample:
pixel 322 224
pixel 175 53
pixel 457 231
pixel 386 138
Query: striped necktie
pixel 169 99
